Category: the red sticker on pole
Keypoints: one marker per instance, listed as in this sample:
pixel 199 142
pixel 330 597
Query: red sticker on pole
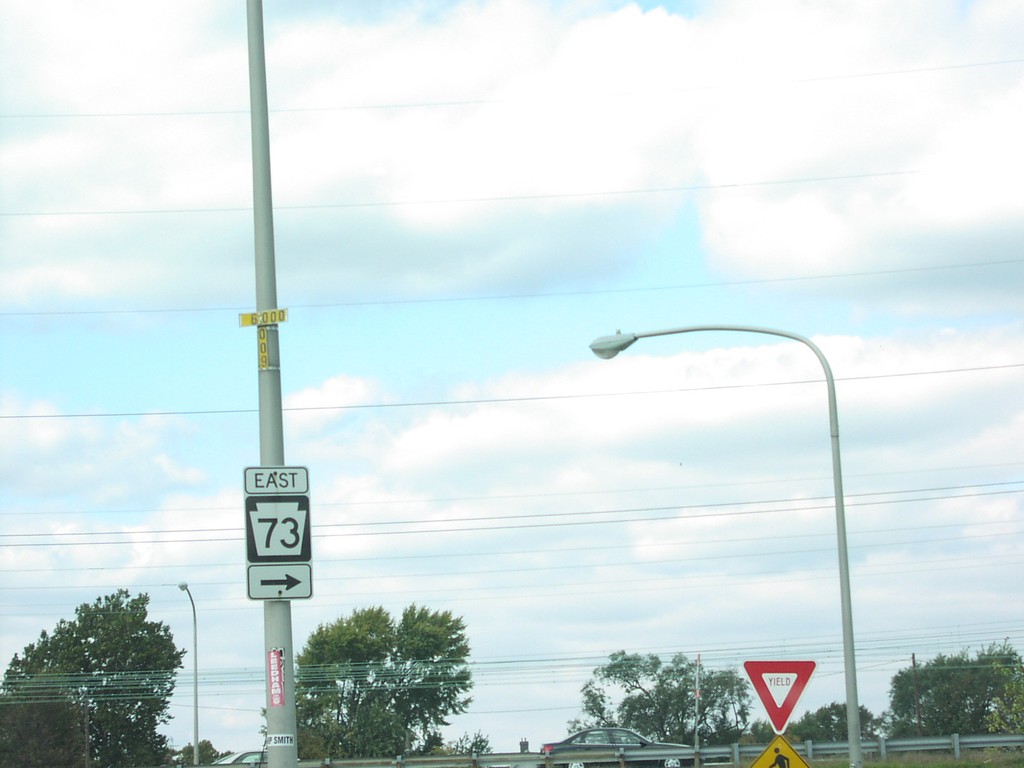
pixel 275 678
pixel 779 685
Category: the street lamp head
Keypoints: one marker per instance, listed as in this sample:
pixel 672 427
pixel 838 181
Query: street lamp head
pixel 183 586
pixel 607 347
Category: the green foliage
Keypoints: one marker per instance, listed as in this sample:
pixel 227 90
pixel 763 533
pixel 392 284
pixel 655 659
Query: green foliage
pixel 987 758
pixel 758 732
pixel 207 754
pixel 477 744
pixel 112 670
pixel 955 694
pixel 725 706
pixel 828 723
pixel 370 687
pixel 40 734
pixel 658 699
pixel 1007 715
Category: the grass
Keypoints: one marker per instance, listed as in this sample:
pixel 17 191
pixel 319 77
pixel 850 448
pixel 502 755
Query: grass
pixel 985 758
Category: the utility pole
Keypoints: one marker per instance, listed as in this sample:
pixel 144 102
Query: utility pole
pixel 279 654
pixel 696 715
pixel 917 695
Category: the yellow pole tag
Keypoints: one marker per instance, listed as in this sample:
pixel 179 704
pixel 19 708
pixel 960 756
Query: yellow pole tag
pixel 264 348
pixel 269 317
pixel 262 320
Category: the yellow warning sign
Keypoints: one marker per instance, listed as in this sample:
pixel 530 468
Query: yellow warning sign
pixel 779 755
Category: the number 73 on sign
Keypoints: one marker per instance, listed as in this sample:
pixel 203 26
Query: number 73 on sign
pixel 277 529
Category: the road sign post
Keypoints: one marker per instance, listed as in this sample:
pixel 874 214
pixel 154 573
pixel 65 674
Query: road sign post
pixel 277 614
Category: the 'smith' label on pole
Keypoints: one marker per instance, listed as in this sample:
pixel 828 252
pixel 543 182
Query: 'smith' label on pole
pixel 275 677
pixel 280 740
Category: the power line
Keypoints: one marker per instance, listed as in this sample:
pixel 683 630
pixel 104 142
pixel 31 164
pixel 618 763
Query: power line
pixel 514 522
pixel 533 551
pixel 521 296
pixel 447 103
pixel 501 671
pixel 419 500
pixel 944 562
pixel 494 400
pixel 468 200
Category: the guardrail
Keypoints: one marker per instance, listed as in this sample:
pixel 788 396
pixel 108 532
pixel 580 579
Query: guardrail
pixel 730 754
pixel 879 747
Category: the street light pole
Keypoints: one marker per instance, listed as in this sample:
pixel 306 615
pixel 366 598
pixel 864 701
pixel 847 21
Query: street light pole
pixel 607 347
pixel 195 675
pixel 277 614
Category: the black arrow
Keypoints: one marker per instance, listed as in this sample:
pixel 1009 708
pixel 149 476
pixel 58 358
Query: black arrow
pixel 287 582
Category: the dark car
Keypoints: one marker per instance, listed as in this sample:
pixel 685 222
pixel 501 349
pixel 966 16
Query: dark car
pixel 614 739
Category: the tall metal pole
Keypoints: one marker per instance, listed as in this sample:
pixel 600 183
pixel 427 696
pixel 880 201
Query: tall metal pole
pixel 696 715
pixel 277 614
pixel 195 675
pixel 609 346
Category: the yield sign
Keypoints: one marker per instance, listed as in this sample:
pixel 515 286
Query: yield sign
pixel 779 684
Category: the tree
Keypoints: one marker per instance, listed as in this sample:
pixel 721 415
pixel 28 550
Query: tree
pixel 1007 715
pixel 113 667
pixel 477 744
pixel 949 694
pixel 659 700
pixel 758 732
pixel 370 687
pixel 40 734
pixel 207 753
pixel 725 706
pixel 828 723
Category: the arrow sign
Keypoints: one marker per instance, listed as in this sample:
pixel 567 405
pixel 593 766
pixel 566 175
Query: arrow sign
pixel 287 582
pixel 281 581
pixel 779 685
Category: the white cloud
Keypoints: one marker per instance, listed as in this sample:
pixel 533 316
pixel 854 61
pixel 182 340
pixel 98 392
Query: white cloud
pixel 908 108
pixel 315 409
pixel 532 101
pixel 48 456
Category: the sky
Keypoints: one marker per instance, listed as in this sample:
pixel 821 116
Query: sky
pixel 466 194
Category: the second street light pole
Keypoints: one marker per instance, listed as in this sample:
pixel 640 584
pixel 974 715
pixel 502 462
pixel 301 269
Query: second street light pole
pixel 277 614
pixel 607 347
pixel 195 674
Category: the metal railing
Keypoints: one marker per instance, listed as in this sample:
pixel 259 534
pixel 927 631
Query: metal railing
pixel 878 748
pixel 730 754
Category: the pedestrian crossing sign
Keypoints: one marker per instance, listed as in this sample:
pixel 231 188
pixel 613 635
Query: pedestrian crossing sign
pixel 779 755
